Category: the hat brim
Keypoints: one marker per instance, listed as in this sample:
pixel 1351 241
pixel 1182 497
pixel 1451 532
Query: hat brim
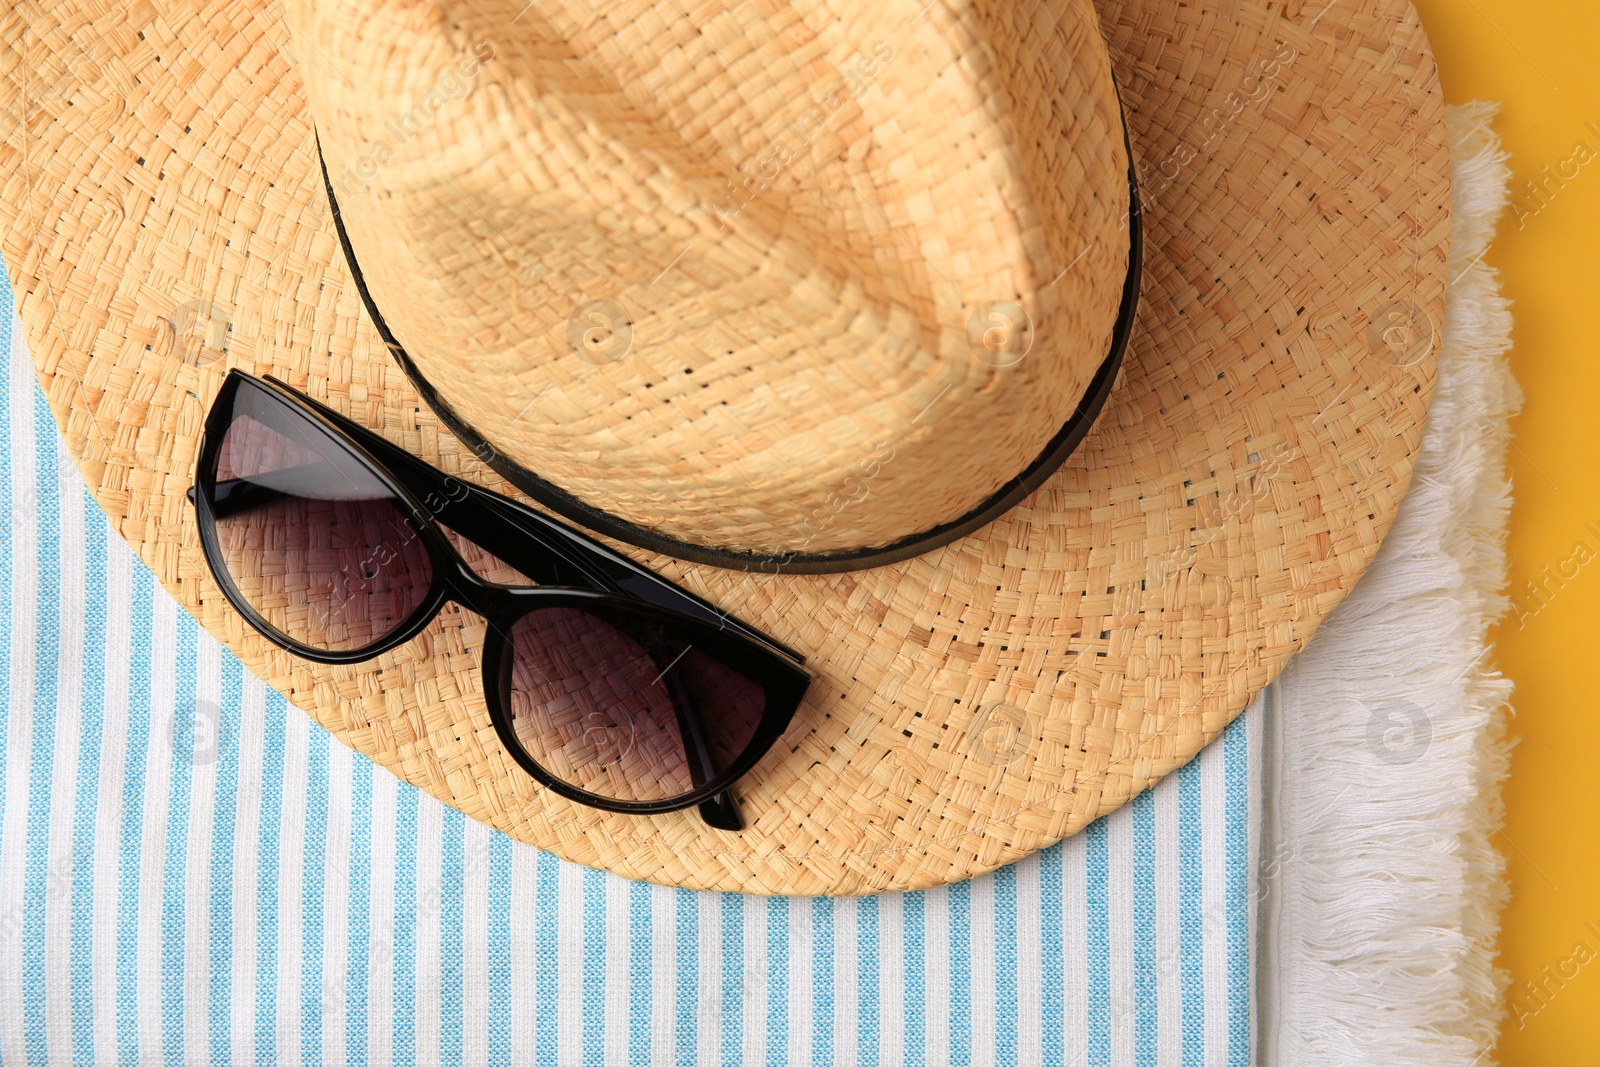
pixel 972 704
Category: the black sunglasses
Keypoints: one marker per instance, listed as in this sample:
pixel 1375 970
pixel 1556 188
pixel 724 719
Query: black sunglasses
pixel 608 684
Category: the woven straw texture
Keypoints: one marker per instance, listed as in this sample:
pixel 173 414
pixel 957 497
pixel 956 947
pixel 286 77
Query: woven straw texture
pixel 164 221
pixel 777 333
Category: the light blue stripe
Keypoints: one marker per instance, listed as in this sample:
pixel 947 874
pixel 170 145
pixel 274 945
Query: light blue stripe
pixel 452 867
pixel 1005 966
pixel 267 856
pixel 358 916
pixel 1146 942
pixel 1098 943
pixel 8 603
pixel 47 606
pixel 131 831
pixel 960 1018
pixel 85 817
pixel 219 1004
pixel 175 881
pixel 594 968
pixel 777 981
pixel 500 949
pixel 685 1026
pixel 1052 963
pixel 1236 809
pixel 913 918
pixel 1191 914
pixel 732 905
pixel 404 962
pixel 822 982
pixel 547 904
pixel 313 984
pixel 641 957
pixel 867 980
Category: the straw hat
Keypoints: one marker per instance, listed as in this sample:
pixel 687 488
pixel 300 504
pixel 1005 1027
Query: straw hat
pixel 798 304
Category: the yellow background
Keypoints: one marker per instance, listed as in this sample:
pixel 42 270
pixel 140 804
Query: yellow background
pixel 1541 59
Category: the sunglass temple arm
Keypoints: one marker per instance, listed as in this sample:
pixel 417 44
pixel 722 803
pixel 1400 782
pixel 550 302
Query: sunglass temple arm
pixel 485 511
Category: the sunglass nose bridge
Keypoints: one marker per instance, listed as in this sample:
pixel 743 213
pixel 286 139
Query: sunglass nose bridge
pixel 722 813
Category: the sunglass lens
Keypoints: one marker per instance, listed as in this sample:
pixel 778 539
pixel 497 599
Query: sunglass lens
pixel 315 542
pixel 617 707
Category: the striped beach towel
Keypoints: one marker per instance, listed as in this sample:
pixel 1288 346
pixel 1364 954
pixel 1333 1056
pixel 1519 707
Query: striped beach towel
pixel 192 872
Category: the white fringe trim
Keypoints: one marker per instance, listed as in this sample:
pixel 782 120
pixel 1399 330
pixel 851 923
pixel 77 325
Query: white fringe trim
pixel 1387 740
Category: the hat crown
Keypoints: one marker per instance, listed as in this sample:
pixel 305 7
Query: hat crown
pixel 778 278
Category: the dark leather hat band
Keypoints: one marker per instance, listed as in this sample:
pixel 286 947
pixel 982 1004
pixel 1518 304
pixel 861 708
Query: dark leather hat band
pixel 995 505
